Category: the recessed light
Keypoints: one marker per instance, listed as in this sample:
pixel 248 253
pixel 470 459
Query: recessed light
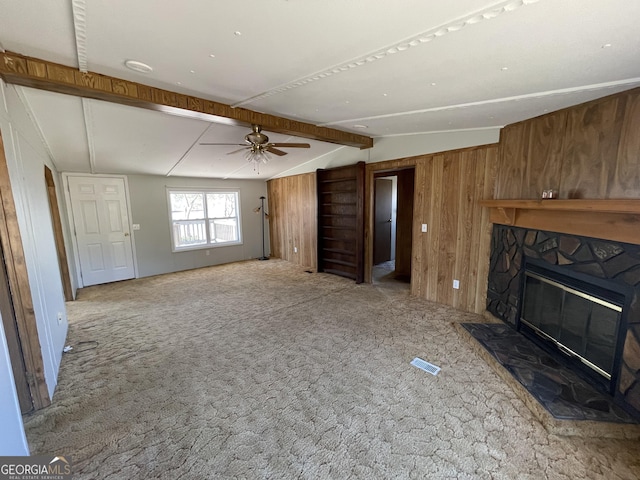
pixel 138 66
pixel 212 55
pixel 384 95
pixel 504 68
pixel 237 33
pixel 360 126
pixel 192 71
pixel 433 84
pixel 178 83
pixel 606 45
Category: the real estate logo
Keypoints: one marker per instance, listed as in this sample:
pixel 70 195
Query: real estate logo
pixel 40 467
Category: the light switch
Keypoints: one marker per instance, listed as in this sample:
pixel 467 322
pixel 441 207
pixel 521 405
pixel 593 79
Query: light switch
pixel 136 226
pixel 424 228
pixel 456 284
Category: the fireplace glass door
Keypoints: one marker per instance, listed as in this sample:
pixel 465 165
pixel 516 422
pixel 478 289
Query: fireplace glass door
pixel 580 324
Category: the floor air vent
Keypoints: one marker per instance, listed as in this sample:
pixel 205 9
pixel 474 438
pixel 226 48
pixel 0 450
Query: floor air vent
pixel 426 366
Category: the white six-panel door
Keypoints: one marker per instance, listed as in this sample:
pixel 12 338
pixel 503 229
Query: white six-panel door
pixel 101 222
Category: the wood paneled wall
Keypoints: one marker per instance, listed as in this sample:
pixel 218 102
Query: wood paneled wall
pixel 590 150
pixel 456 245
pixel 293 219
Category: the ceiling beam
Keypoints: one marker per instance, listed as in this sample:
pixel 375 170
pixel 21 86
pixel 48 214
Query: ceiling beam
pixel 36 73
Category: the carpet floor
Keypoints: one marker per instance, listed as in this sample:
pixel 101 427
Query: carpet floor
pixel 261 370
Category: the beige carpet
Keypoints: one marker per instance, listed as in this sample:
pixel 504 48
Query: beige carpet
pixel 261 370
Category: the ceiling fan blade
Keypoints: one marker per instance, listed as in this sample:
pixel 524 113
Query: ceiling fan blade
pixel 239 144
pixel 275 151
pixel 290 145
pixel 238 150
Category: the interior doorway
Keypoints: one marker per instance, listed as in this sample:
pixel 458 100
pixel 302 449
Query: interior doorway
pixel 393 225
pixel 100 220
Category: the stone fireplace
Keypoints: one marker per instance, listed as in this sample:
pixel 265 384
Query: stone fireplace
pixel 604 334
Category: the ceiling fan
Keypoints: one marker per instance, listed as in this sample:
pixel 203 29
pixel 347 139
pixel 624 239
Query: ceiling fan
pixel 257 146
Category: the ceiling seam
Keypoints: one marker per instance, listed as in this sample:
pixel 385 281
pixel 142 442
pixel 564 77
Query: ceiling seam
pixel 34 121
pixel 309 161
pixel 536 95
pixel 88 124
pixel 184 155
pixel 79 9
pixel 487 13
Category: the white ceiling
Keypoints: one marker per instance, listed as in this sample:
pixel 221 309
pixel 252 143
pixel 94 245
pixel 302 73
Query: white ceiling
pixel 400 68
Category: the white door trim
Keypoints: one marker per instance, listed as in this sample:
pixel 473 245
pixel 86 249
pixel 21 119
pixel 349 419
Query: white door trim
pixel 67 197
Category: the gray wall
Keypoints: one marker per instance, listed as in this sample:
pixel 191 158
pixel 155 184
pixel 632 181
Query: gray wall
pixel 149 208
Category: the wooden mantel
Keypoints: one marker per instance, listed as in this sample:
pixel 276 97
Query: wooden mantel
pixel 617 220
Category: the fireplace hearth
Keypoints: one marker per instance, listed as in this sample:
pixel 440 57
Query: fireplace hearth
pixel 577 294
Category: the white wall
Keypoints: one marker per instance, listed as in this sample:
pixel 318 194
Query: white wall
pixel 391 148
pixel 149 208
pixel 26 157
pixel 13 440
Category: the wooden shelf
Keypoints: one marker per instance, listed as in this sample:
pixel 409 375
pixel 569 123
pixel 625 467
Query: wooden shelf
pixel 607 219
pixel 577 205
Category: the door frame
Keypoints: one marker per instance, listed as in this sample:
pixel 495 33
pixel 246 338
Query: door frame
pixel 58 235
pixel 20 289
pixel 376 227
pixel 67 197
pixel 374 170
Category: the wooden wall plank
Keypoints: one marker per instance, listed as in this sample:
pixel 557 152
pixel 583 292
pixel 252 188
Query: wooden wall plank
pixel 589 151
pixel 484 235
pixel 591 147
pixel 625 177
pixel 421 192
pixel 544 155
pixel 292 219
pixel 432 253
pixel 513 160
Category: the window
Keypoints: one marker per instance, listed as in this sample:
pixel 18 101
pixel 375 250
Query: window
pixel 204 218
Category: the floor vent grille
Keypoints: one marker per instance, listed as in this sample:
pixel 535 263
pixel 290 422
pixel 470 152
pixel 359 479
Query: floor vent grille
pixel 426 366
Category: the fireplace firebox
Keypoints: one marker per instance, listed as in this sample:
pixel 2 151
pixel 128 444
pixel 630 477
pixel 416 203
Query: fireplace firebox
pixel 580 319
pixel 575 294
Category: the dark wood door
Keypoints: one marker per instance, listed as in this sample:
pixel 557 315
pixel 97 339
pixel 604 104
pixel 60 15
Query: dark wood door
pixel 383 222
pixel 341 221
pixel 13 341
pixel 404 222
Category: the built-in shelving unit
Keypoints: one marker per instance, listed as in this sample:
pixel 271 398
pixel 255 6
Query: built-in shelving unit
pixel 608 219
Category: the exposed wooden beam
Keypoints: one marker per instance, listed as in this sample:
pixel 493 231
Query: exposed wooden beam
pixel 33 72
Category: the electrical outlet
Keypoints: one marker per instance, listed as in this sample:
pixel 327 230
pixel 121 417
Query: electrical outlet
pixel 295 249
pixel 136 226
pixel 60 317
pixel 424 228
pixel 456 284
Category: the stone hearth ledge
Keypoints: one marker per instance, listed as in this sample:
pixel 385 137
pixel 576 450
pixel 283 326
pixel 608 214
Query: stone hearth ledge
pixel 572 428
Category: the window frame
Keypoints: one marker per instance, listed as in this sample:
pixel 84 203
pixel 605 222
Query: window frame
pixel 207 220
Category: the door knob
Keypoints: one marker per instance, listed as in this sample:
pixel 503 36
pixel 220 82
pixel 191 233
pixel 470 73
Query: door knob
pixel 126 234
pixel 389 221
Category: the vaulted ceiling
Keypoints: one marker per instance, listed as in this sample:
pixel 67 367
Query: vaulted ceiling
pixel 371 67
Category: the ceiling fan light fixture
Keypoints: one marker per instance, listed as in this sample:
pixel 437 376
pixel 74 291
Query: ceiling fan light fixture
pixel 257 155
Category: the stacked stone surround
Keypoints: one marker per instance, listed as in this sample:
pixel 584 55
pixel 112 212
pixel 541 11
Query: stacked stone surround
pixel 618 263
